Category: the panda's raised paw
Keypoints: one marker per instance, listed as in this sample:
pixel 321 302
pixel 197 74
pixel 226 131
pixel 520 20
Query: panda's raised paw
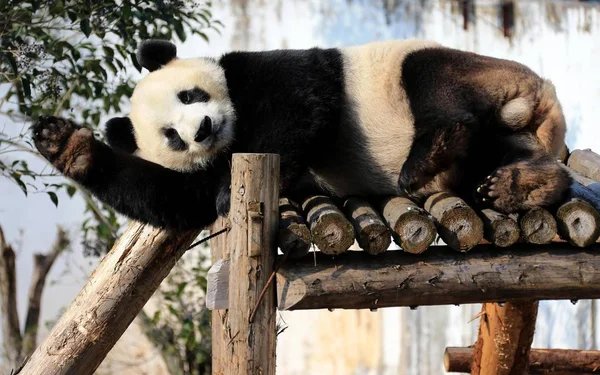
pixel 64 143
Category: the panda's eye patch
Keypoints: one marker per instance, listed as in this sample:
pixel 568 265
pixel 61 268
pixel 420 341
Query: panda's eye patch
pixel 195 95
pixel 175 141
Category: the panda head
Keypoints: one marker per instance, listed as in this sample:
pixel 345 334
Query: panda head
pixel 181 114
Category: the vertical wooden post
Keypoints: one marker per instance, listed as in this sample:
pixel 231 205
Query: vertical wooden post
pixel 218 250
pixel 505 337
pixel 252 247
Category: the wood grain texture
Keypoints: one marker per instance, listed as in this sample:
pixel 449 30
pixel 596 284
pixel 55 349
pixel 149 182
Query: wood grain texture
pixel 458 224
pixel 113 296
pixel 412 228
pixel 578 223
pixel 505 337
pixel 499 229
pixel 331 232
pixel 585 162
pixel 440 277
pixel 538 226
pixel 254 219
pixel 372 234
pixel 294 236
pixel 541 361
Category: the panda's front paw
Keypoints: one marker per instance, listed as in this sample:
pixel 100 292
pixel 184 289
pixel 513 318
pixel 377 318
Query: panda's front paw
pixel 411 181
pixel 65 144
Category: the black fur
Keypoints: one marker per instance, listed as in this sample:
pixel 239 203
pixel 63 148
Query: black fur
pixel 119 134
pixel 154 54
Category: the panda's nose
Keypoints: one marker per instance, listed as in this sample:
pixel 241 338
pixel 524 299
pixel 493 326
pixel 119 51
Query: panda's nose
pixel 204 130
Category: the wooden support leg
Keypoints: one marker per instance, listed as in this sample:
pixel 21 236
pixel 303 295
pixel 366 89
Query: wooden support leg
pixel 505 337
pixel 218 249
pixel 252 239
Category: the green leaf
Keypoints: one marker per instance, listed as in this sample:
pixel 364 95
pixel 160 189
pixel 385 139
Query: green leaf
pixel 53 198
pixel 109 53
pixel 180 31
pixel 180 289
pixel 71 190
pixel 156 317
pixel 85 27
pixel 72 16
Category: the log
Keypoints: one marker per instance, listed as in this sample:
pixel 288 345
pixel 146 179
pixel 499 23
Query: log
pixel 294 236
pixel 412 228
pixel 439 277
pixel 578 223
pixel 505 337
pixel 331 232
pixel 541 361
pixel 500 230
pixel 11 331
pixel 113 296
pixel 538 226
pixel 252 245
pixel 585 162
pixel 372 234
pixel 458 224
pixel 219 334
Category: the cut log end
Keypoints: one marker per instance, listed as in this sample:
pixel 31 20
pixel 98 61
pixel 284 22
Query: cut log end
pixel 412 229
pixel 459 225
pixel 578 223
pixel 332 233
pixel 500 230
pixel 538 226
pixel 372 234
pixel 294 236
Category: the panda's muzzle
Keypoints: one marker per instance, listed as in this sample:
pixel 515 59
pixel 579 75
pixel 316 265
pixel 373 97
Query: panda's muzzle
pixel 204 130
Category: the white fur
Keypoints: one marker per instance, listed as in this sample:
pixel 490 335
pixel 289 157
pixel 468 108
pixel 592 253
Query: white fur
pixel 155 105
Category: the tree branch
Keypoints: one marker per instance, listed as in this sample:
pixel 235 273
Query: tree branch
pixel 8 298
pixel 41 267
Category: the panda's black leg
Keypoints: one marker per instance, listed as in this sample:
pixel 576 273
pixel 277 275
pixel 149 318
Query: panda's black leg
pixel 433 151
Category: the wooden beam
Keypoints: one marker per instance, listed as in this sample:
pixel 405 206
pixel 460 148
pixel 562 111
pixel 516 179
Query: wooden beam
pixel 538 226
pixel 541 361
pixel 505 337
pixel 220 335
pixel 11 331
pixel 440 277
pixel 585 162
pixel 294 236
pixel 578 223
pixel 372 234
pixel 458 224
pixel 252 245
pixel 331 232
pixel 113 296
pixel 412 228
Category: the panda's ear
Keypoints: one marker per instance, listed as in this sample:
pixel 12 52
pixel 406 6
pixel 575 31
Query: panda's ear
pixel 119 134
pixel 155 53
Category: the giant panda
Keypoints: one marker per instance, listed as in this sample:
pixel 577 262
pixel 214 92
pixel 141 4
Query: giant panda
pixel 406 117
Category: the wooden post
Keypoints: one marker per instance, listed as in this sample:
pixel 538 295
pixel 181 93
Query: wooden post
pixel 252 245
pixel 585 162
pixel 294 236
pixel 500 230
pixel 541 361
pixel 578 223
pixel 412 229
pixel 372 234
pixel 538 226
pixel 218 250
pixel 505 337
pixel 331 232
pixel 113 296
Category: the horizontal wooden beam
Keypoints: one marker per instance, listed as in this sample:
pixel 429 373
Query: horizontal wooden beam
pixel 440 277
pixel 541 361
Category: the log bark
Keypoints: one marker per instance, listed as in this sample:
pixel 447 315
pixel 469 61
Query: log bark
pixel 42 263
pixel 585 162
pixel 505 337
pixel 113 296
pixel 578 223
pixel 294 237
pixel 11 330
pixel 412 228
pixel 439 277
pixel 458 225
pixel 331 232
pixel 500 230
pixel 538 226
pixel 541 361
pixel 372 234
pixel 252 244
pixel 220 335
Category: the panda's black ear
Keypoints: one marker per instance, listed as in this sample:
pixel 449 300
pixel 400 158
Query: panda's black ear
pixel 155 53
pixel 119 134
